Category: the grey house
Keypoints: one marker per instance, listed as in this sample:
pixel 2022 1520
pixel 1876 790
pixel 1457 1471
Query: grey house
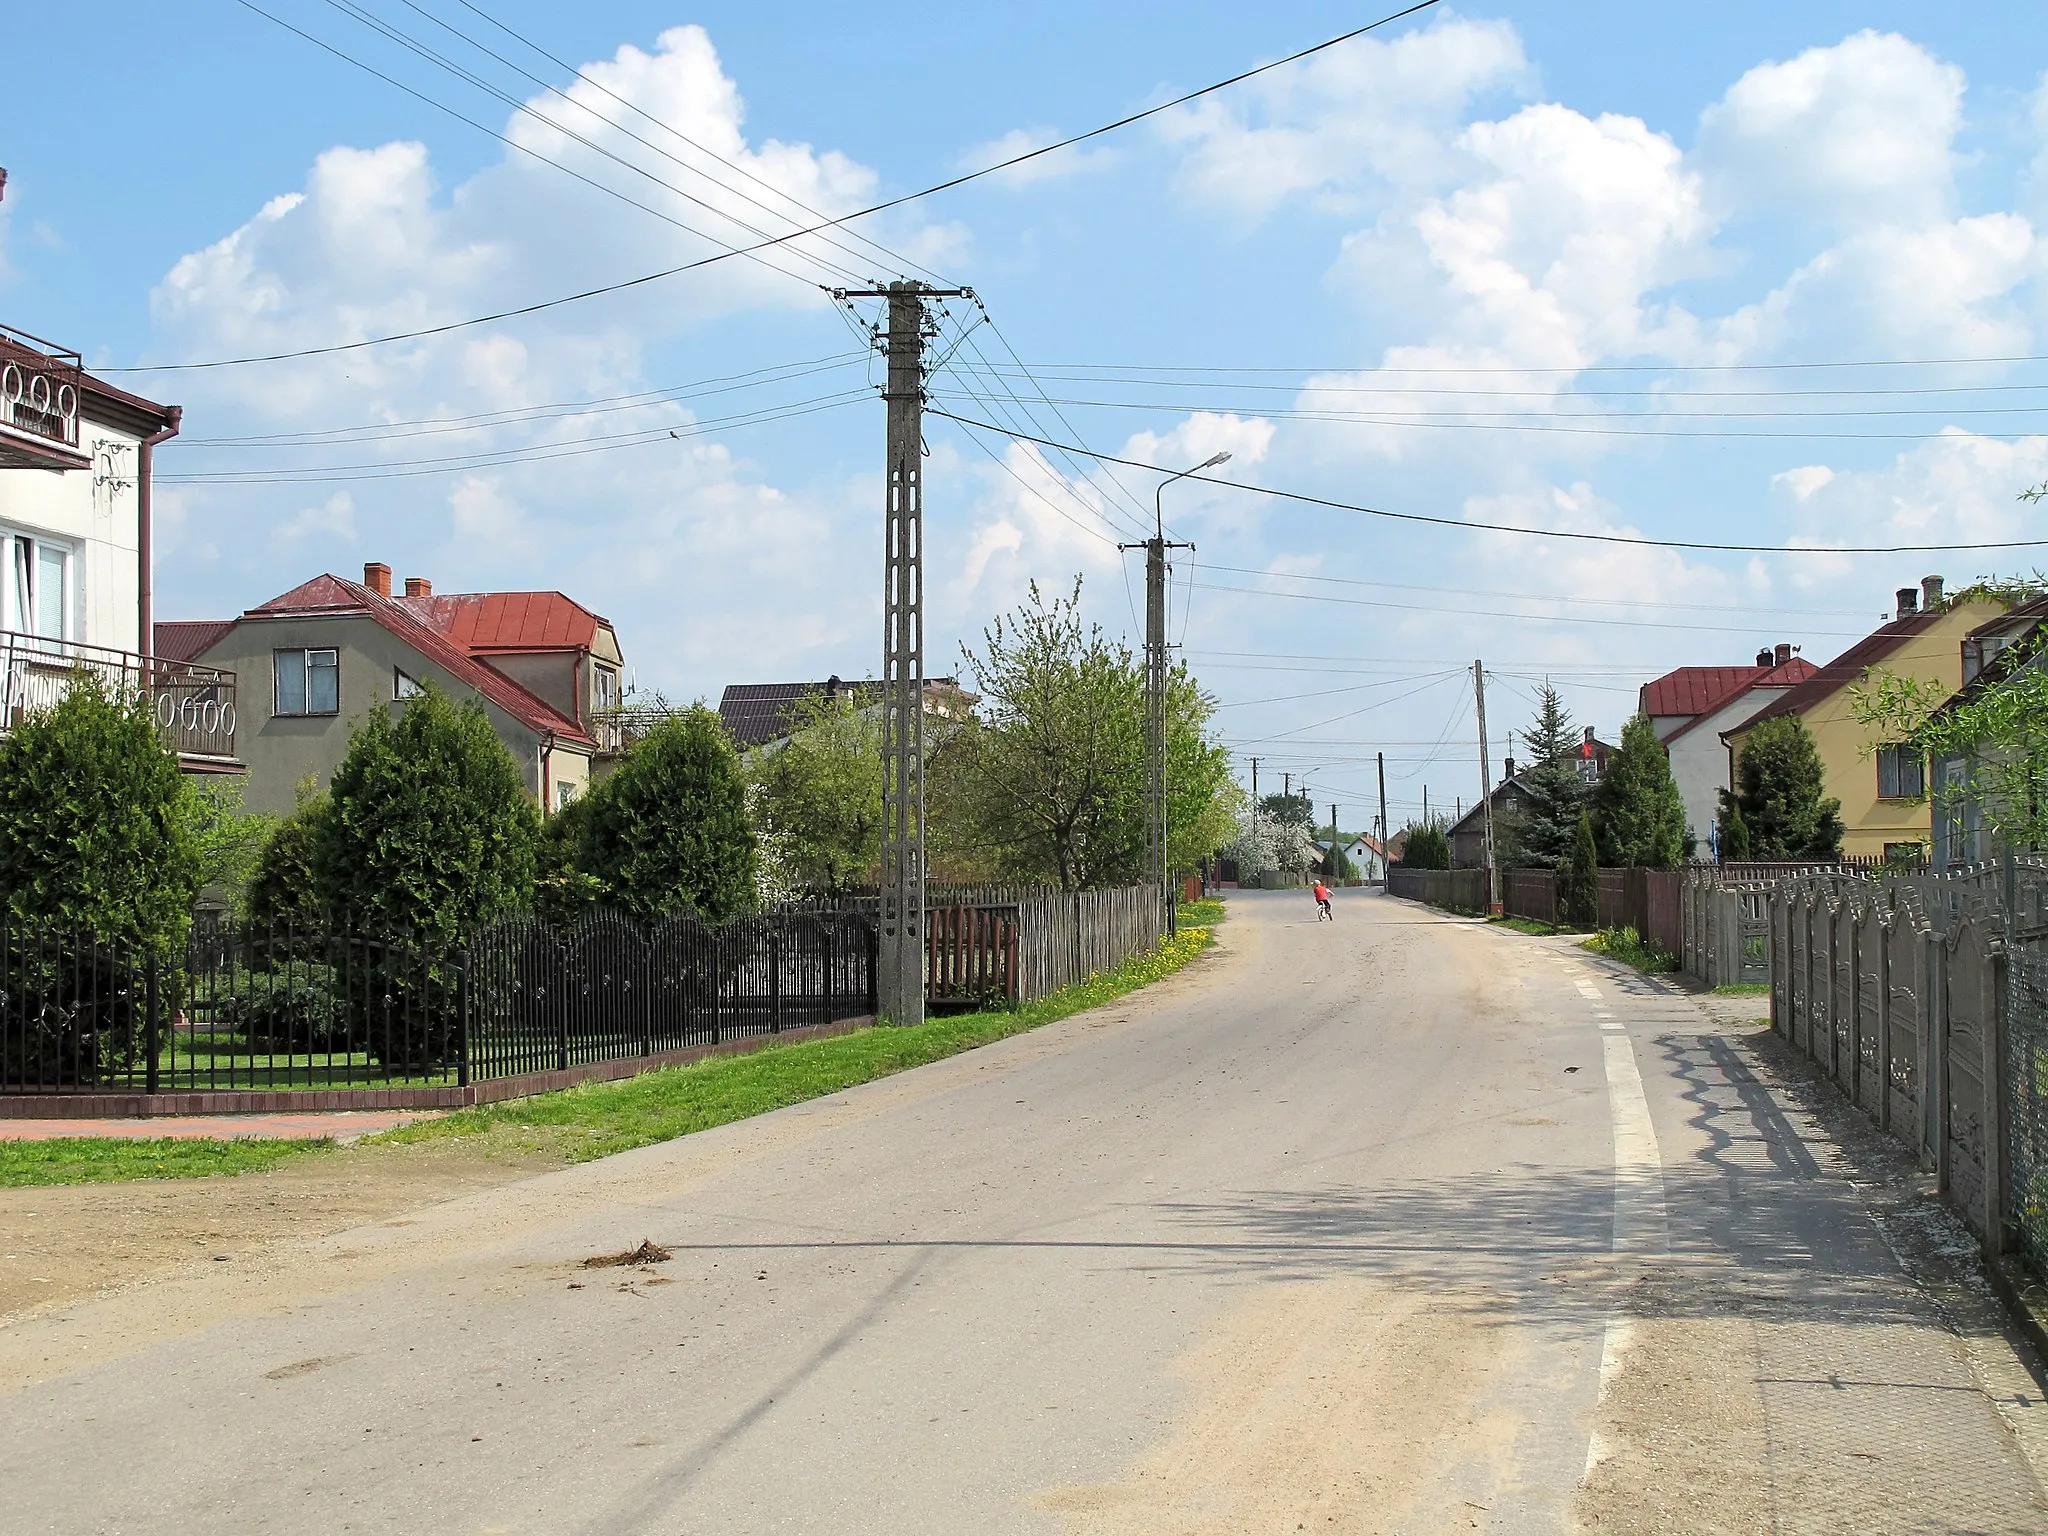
pixel 317 659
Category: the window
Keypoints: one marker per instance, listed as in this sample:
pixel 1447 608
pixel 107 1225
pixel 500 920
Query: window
pixel 39 588
pixel 564 793
pixel 1901 773
pixel 604 688
pixel 308 682
pixel 403 685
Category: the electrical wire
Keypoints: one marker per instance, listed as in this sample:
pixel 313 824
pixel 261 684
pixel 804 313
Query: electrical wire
pixel 1542 533
pixel 1537 597
pixel 860 213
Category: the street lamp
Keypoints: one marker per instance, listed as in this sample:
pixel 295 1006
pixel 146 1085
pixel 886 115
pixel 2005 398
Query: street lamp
pixel 1155 684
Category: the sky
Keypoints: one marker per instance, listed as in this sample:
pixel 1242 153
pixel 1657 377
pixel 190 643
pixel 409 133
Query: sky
pixel 1759 274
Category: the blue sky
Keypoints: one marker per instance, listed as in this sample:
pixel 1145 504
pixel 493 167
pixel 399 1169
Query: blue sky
pixel 1511 264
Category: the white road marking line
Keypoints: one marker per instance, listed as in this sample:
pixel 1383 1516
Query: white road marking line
pixel 1587 989
pixel 1641 1227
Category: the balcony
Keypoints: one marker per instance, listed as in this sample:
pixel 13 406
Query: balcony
pixel 40 385
pixel 193 706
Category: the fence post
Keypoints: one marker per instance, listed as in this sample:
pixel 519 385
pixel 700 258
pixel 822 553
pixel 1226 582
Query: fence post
pixel 830 1011
pixel 775 981
pixel 464 993
pixel 561 1002
pixel 149 1028
pixel 871 940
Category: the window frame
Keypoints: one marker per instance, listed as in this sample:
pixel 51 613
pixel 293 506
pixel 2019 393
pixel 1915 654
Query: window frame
pixel 279 669
pixel 404 685
pixel 604 687
pixel 35 548
pixel 1891 778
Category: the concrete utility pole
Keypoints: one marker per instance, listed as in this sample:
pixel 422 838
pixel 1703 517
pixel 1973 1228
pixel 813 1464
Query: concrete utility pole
pixel 1486 792
pixel 899 978
pixel 1386 836
pixel 1155 688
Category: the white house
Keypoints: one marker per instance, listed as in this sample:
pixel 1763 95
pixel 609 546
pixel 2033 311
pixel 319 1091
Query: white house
pixel 76 462
pixel 1691 707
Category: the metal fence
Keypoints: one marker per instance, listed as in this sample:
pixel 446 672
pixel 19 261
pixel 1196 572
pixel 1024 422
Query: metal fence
pixel 1924 999
pixel 277 1006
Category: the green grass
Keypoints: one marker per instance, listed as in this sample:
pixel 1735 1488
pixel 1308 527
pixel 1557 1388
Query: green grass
pixel 1529 925
pixel 1743 989
pixel 1631 948
pixel 1206 913
pixel 108 1159
pixel 598 1119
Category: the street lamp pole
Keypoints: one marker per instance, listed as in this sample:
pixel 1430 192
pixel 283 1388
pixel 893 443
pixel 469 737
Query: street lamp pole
pixel 1155 687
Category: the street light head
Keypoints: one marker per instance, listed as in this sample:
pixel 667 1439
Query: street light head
pixel 1221 458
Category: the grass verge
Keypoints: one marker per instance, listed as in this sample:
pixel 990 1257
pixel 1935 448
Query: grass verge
pixel 1206 913
pixel 109 1159
pixel 1742 989
pixel 598 1119
pixel 1631 948
pixel 1530 925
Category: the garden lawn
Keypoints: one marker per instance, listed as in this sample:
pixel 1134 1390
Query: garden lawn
pixel 598 1119
pixel 110 1159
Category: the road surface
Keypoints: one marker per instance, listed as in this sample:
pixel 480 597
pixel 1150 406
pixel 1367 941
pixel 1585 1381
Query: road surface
pixel 1397 1224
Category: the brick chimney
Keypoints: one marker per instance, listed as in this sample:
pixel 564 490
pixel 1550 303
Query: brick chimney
pixel 377 577
pixel 1763 657
pixel 1930 593
pixel 418 586
pixel 1909 602
pixel 1783 654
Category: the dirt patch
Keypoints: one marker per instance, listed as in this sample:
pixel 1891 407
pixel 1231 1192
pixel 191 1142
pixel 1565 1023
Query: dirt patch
pixel 63 1242
pixel 1334 1407
pixel 649 1252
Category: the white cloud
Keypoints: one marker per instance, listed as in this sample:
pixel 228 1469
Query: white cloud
pixel 1860 131
pixel 1370 113
pixel 1803 481
pixel 684 545
pixel 1958 488
pixel 332 522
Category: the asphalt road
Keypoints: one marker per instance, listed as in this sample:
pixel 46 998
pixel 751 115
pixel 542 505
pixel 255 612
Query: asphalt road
pixel 1396 1224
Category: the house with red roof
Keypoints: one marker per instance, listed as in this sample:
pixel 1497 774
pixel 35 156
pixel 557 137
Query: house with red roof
pixel 1691 707
pixel 315 660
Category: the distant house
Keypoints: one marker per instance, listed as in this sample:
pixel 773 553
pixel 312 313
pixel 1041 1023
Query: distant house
pixel 1691 707
pixel 1883 788
pixel 1992 655
pixel 1364 853
pixel 759 714
pixel 77 462
pixel 1468 833
pixel 317 659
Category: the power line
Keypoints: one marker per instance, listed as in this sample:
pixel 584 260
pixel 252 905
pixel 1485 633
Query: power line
pixel 1537 597
pixel 1538 533
pixel 1479 371
pixel 859 213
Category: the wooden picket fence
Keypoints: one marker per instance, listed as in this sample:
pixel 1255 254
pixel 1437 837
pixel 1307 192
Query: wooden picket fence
pixel 1017 945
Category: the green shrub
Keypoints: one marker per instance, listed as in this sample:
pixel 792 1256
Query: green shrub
pixel 1631 948
pixel 1578 880
pixel 96 843
pixel 428 829
pixel 297 1009
pixel 284 890
pixel 668 832
pixel 1426 848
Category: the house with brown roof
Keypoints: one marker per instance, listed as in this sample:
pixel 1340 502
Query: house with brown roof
pixel 1882 787
pixel 1691 707
pixel 759 714
pixel 315 660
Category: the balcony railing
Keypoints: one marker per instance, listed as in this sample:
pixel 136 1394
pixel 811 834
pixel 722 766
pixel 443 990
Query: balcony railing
pixel 40 386
pixel 193 706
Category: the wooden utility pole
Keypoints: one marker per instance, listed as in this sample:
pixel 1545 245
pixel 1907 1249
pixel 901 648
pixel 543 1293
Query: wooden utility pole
pixel 1156 864
pixel 1486 792
pixel 900 959
pixel 1386 833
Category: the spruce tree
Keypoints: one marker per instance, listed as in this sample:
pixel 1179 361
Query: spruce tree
pixel 1547 821
pixel 1638 817
pixel 1578 879
pixel 1734 838
pixel 1779 788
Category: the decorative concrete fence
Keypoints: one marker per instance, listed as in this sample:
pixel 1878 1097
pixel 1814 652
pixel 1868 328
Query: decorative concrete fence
pixel 1924 999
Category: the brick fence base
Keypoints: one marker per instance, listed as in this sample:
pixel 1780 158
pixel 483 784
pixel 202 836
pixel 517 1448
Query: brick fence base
pixel 263 1101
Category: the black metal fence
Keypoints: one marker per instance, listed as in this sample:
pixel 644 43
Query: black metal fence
pixel 278 1006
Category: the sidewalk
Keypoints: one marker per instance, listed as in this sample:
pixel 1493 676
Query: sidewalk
pixel 339 1125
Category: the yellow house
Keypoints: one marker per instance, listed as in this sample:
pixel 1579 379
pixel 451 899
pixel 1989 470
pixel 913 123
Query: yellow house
pixel 1883 791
